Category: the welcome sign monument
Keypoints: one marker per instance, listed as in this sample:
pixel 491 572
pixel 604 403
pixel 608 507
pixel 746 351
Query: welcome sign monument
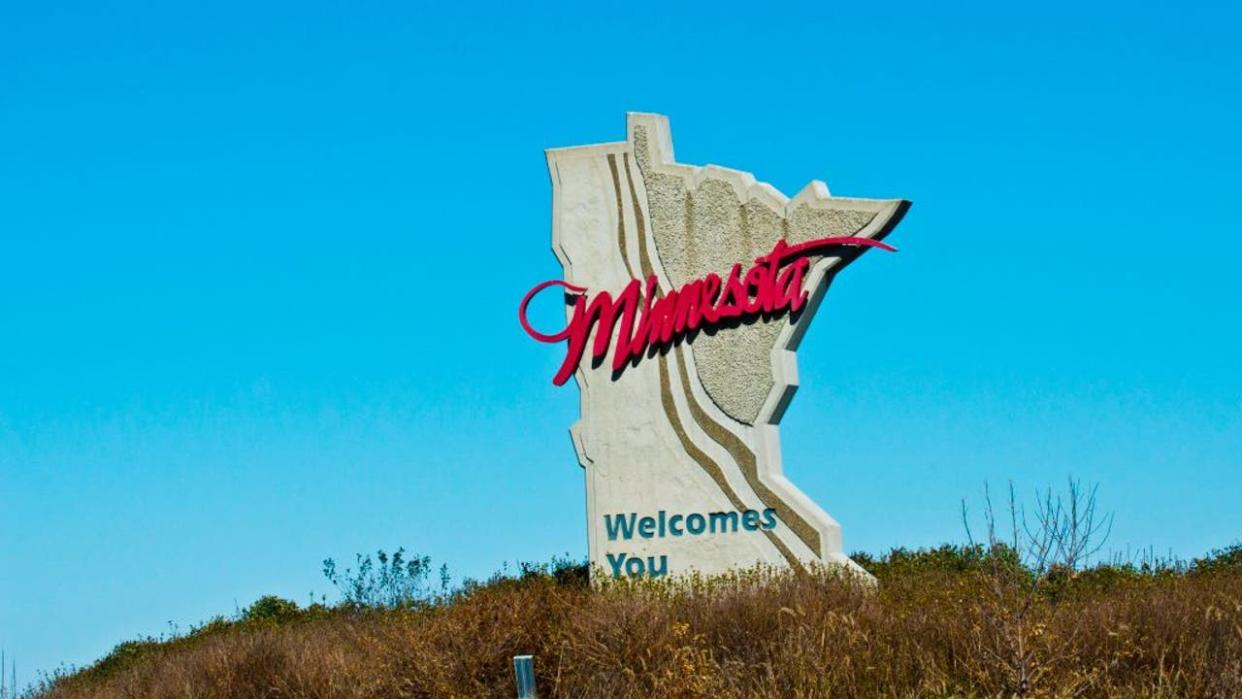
pixel 687 291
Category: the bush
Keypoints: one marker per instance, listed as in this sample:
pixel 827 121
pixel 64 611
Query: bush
pixel 1229 558
pixel 271 609
pixel 947 559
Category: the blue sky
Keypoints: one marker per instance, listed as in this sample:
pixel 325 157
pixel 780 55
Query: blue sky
pixel 259 269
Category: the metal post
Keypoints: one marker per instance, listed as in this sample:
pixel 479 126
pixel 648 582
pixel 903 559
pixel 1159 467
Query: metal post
pixel 524 668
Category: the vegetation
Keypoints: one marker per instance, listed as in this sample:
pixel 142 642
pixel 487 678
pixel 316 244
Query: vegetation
pixel 929 629
pixel 1018 613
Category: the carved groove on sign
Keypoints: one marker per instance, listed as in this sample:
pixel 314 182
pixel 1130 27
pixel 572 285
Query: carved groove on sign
pixel 742 456
pixel 704 461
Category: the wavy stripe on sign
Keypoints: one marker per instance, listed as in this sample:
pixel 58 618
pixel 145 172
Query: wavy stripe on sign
pixel 739 452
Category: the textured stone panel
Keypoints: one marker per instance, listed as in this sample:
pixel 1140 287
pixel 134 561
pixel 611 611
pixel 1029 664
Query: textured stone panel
pixel 704 227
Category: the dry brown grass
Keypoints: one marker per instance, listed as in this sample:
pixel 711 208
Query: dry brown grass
pixel 926 631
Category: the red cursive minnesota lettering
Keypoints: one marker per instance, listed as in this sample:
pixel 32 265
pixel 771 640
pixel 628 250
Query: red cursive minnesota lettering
pixel 772 285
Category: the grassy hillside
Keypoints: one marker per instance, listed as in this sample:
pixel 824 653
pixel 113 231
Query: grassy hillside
pixel 953 621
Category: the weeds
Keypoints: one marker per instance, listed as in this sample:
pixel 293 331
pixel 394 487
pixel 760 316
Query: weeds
pixel 396 582
pixel 929 629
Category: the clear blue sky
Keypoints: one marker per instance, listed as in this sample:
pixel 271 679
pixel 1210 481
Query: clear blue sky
pixel 259 271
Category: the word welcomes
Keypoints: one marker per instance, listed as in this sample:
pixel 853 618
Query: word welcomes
pixel 626 526
pixel 771 286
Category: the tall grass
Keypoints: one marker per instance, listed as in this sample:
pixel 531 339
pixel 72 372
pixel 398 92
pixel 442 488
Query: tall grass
pixel 928 629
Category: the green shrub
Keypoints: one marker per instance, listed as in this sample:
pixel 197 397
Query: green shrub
pixel 1228 558
pixel 272 610
pixel 948 558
